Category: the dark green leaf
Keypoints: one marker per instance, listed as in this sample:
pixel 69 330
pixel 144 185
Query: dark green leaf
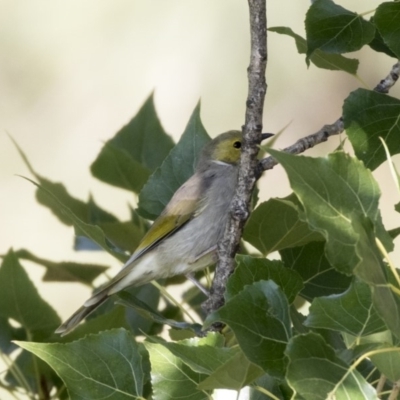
pixel 387 20
pixel 128 159
pixel 20 300
pixel 271 385
pixel 234 374
pixel 314 371
pixel 334 29
pixel 81 228
pixel 111 366
pixel 351 312
pixel 171 377
pixel 379 45
pixel 333 62
pixel 64 271
pixel 319 277
pixel 250 270
pixel 332 190
pixel 175 170
pixel 9 333
pixel 275 225
pixel 264 336
pixel 369 115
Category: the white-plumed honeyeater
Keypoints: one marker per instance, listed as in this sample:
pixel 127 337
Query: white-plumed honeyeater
pixel 183 239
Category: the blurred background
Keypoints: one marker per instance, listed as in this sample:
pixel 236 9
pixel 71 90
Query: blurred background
pixel 72 73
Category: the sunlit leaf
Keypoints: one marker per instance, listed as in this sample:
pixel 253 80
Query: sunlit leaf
pixel 316 373
pixel 103 365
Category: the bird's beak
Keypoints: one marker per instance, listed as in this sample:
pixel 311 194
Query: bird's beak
pixel 266 136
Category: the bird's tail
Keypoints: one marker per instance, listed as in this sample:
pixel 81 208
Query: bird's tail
pixel 80 314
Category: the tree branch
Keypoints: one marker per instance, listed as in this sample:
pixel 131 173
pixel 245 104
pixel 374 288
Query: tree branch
pixel 251 169
pixel 240 206
pixel 328 130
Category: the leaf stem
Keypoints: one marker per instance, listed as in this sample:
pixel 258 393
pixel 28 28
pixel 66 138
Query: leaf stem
pixel 383 251
pixel 266 392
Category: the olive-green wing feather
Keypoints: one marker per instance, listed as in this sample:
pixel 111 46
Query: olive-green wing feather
pixel 184 205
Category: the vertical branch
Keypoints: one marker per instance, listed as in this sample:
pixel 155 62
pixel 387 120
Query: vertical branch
pixel 240 206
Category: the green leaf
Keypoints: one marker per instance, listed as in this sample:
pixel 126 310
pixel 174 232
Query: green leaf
pixel 319 277
pixel 128 300
pixel 234 374
pixel 264 336
pixel 387 20
pixel 275 225
pixel 373 271
pixel 378 44
pixel 332 190
pixel 202 355
pixel 316 373
pixel 271 385
pixel 98 366
pixel 388 362
pixel 64 271
pixel 129 158
pixel 113 319
pixel 21 301
pixel 369 115
pixel 351 312
pixel 171 377
pixel 334 29
pixel 175 170
pixel 81 228
pixel 249 270
pixel 333 62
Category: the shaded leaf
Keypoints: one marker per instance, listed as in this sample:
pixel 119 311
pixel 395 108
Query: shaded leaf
pixel 333 62
pixel 234 374
pixel 379 45
pixel 81 228
pixel 332 190
pixel 64 271
pixel 21 301
pixel 171 377
pixel 249 270
pixel 128 300
pixel 264 336
pixel 373 271
pixel 275 225
pixel 129 158
pixel 350 312
pixel 178 166
pixel 315 372
pixel 334 29
pixel 111 366
pixel 369 115
pixel 387 20
pixel 319 277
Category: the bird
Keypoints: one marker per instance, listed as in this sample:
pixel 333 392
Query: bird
pixel 184 238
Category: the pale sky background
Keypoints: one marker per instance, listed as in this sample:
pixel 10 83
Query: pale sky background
pixel 74 72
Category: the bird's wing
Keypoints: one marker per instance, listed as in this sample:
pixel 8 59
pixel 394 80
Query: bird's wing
pixel 185 203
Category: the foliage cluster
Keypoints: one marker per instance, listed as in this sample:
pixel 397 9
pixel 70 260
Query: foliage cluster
pixel 334 254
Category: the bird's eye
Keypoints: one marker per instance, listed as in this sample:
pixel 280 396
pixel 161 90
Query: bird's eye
pixel 237 145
